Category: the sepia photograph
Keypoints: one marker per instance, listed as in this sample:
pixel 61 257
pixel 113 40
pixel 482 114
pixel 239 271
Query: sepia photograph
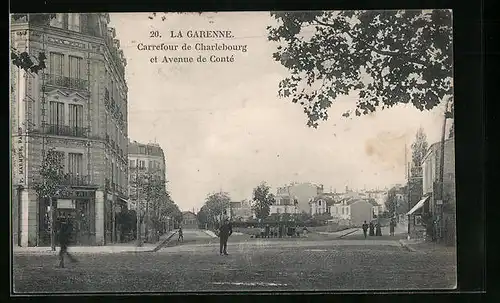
pixel 283 151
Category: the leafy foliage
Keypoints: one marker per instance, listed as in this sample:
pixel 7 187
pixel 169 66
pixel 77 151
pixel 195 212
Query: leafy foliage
pixel 262 200
pixel 51 175
pixel 418 150
pixel 24 60
pixel 216 205
pixel 392 202
pixel 388 57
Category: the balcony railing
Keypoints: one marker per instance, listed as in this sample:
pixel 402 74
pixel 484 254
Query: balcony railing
pixel 75 180
pixel 64 130
pixel 68 82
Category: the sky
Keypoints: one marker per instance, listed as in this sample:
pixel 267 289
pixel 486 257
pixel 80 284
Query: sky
pixel 223 127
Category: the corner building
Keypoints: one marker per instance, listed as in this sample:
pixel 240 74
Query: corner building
pixel 76 107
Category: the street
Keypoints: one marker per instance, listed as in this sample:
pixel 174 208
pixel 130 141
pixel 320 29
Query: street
pixel 342 264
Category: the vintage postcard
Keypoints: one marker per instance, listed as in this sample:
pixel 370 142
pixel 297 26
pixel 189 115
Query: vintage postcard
pixel 232 151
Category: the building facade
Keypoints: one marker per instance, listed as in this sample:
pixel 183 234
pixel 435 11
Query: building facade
pixel 442 209
pixel 352 212
pixel 240 211
pixel 75 108
pixel 189 220
pixel 297 195
pixel 321 204
pixel 144 159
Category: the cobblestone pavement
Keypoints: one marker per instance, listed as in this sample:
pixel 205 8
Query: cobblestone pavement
pixel 255 265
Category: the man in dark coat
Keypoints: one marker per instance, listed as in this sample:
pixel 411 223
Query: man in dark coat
pixel 365 228
pixel 65 230
pixel 225 231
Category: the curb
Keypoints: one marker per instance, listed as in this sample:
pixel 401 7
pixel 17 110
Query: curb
pixel 163 243
pixel 346 234
pixel 406 246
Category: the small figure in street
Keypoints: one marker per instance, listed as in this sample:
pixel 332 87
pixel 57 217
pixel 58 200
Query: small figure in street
pixel 224 232
pixel 378 229
pixel 372 229
pixel 267 231
pixel 365 228
pixel 65 230
pixel 392 226
pixel 181 235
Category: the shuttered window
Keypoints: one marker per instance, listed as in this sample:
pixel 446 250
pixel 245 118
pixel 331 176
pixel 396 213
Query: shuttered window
pixel 56 113
pixel 76 116
pixel 75 67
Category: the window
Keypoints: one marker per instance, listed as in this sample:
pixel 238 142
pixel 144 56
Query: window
pixel 74 22
pixel 56 64
pixel 343 210
pixel 61 21
pixel 75 116
pixel 132 163
pixel 56 113
pixel 75 164
pixel 142 164
pixel 75 65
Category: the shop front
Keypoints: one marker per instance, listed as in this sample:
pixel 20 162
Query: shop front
pixel 78 205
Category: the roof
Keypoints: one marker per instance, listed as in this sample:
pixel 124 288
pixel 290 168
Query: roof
pixel 152 149
pixel 329 200
pixel 188 212
pixel 350 201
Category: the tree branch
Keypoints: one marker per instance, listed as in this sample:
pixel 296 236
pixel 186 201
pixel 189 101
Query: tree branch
pixel 376 50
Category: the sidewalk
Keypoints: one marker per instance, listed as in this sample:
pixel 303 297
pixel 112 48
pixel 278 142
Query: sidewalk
pixel 426 247
pixel 112 248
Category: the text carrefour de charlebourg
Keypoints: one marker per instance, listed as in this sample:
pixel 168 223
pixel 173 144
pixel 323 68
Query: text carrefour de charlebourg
pixel 197 47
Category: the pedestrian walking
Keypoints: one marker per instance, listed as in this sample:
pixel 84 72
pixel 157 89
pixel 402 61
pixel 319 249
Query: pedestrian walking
pixel 267 231
pixel 392 226
pixel 65 231
pixel 372 229
pixel 225 231
pixel 365 228
pixel 378 229
pixel 181 235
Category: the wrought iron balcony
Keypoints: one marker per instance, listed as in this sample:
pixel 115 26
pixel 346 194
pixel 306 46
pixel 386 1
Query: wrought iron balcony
pixel 75 180
pixel 64 130
pixel 68 82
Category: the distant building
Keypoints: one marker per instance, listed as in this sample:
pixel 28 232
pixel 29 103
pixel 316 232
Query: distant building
pixel 283 209
pixel 144 159
pixel 352 212
pixel 189 220
pixel 380 196
pixel 320 204
pixel 296 197
pixel 240 211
